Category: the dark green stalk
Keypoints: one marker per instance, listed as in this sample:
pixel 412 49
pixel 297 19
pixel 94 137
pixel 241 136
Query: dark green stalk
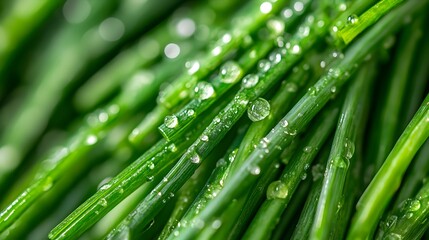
pixel 410 220
pixel 290 217
pixel 305 222
pixel 375 198
pixel 191 191
pixel 280 192
pixel 386 127
pixel 303 112
pixel 342 153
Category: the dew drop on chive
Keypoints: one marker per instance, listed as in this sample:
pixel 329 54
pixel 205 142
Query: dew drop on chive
pixel 150 165
pixel 352 19
pixel 277 190
pixel 190 112
pixel 91 140
pixel 103 202
pixel 204 138
pixel 192 66
pixel 204 90
pixel 340 162
pixel 196 158
pixel 349 149
pixel 415 205
pixel 258 110
pixel 171 121
pixel 250 81
pixel 264 65
pixel 230 72
pixel 254 170
pixel 172 147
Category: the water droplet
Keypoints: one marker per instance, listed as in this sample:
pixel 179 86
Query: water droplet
pixel 393 236
pixel 266 7
pixel 298 6
pixel 340 162
pixel 192 66
pixel 308 149
pixel 196 158
pixel 264 65
pixel 296 49
pixel 409 215
pixel 230 72
pixel 204 90
pixel 276 56
pixel 226 38
pixel 304 176
pixel 250 80
pixel 172 147
pixel 150 165
pixel 277 190
pixel 172 50
pixel 391 221
pixel 171 121
pixel 103 202
pixel 333 89
pixel 312 91
pixel 342 7
pixel 105 186
pixel 185 27
pixel 91 140
pixel 111 29
pixel 287 13
pixel 205 138
pixel 352 19
pixel 349 149
pixel 216 224
pixel 415 205
pixel 291 87
pixel 284 123
pixel 150 178
pixel 216 120
pixel 254 170
pixel 258 110
pixel 49 182
pixel 276 26
pixel 264 142
pixel 190 112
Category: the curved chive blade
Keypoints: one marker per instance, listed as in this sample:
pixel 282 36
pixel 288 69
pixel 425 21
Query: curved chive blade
pixel 280 192
pixel 342 153
pixel 305 221
pixel 250 18
pixel 410 221
pixel 375 198
pixel 386 127
pixel 357 24
pixel 186 196
pixel 303 112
